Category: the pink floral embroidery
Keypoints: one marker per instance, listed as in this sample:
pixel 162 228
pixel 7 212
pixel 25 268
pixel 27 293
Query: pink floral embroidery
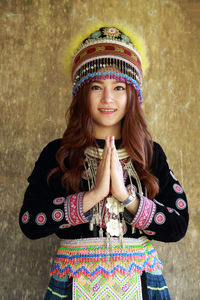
pixel 149 232
pixel 74 209
pixel 145 213
pixel 41 219
pixel 57 215
pixel 177 188
pixel 64 226
pixel 159 218
pixel 25 217
pixel 58 200
pixel 180 203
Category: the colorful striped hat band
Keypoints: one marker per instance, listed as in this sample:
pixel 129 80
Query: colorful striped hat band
pixel 109 49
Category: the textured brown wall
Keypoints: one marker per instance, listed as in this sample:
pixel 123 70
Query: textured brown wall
pixel 34 94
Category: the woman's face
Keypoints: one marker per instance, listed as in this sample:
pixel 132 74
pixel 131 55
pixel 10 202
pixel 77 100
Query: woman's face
pixel 107 102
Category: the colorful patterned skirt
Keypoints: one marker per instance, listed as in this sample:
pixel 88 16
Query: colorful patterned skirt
pixel 87 269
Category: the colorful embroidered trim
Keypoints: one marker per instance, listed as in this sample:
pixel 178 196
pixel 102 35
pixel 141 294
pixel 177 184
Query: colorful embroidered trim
pixel 119 288
pixel 74 209
pixel 108 75
pixel 91 257
pixel 145 213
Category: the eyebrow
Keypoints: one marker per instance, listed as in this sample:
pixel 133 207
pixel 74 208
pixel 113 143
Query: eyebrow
pixel 101 81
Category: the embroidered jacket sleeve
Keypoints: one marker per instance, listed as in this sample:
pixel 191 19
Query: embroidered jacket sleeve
pixel 164 218
pixel 46 207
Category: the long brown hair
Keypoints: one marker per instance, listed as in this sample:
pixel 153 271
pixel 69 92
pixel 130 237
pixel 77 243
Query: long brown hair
pixel 136 139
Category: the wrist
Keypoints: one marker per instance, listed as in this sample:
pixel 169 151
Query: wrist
pixel 129 200
pixel 123 196
pixel 96 196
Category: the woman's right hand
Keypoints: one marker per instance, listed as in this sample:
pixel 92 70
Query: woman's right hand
pixel 102 187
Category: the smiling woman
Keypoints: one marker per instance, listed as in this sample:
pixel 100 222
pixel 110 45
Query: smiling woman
pixel 105 188
pixel 107 102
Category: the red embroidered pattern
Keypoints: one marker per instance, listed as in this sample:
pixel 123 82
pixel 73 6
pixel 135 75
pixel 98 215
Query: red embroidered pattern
pixel 177 188
pixel 159 218
pixel 149 232
pixel 57 215
pixel 58 201
pixel 180 203
pixel 25 217
pixel 64 226
pixel 74 209
pixel 145 213
pixel 41 219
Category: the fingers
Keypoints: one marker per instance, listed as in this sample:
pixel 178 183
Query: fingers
pixel 107 160
pixel 106 147
pixel 117 186
pixel 112 142
pixel 109 152
pixel 102 186
pixel 114 155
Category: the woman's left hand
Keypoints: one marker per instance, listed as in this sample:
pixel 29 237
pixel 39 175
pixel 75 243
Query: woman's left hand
pixel 118 188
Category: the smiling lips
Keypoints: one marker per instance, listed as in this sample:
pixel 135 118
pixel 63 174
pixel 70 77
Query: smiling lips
pixel 107 110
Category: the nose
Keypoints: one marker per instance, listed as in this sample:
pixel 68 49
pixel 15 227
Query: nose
pixel 107 96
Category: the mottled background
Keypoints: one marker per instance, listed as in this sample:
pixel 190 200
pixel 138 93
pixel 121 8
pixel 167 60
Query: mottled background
pixel 35 92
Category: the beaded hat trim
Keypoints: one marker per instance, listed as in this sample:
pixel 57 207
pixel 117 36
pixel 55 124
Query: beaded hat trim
pixel 107 48
pixel 108 75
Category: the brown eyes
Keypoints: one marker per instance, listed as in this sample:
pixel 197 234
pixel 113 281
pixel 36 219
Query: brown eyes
pixel 120 88
pixel 116 88
pixel 95 87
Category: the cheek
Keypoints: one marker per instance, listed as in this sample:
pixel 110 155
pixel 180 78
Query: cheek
pixel 124 104
pixel 93 99
pixel 92 104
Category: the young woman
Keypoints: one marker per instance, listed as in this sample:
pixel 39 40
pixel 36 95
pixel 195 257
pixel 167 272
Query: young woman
pixel 105 188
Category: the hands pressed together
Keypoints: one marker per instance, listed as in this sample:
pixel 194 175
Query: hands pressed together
pixel 109 177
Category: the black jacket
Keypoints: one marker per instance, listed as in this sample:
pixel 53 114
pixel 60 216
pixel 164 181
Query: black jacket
pixel 47 207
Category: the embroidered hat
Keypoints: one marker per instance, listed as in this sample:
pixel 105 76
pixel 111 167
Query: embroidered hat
pixel 107 53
